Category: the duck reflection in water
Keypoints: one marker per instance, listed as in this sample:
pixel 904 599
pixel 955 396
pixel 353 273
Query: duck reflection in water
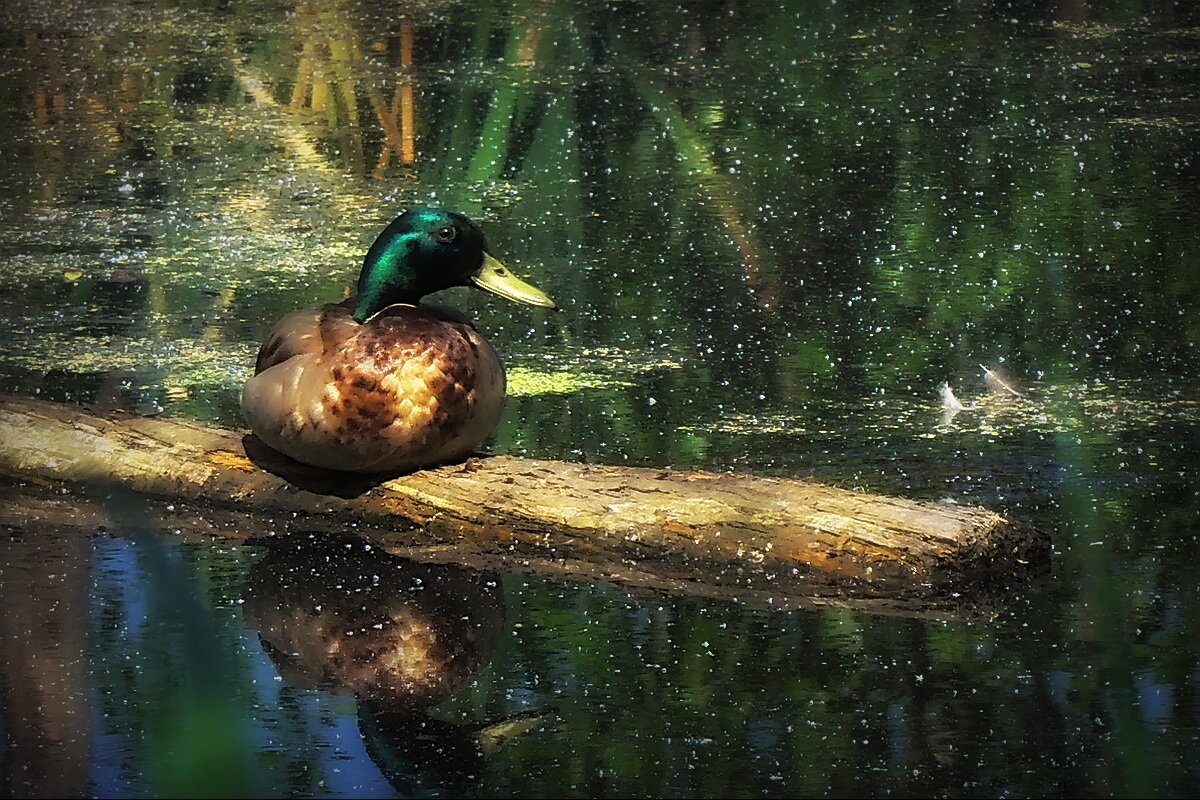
pixel 345 617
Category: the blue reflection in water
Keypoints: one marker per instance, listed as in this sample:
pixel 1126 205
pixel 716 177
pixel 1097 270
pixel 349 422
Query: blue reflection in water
pixel 349 771
pixel 298 740
pixel 109 775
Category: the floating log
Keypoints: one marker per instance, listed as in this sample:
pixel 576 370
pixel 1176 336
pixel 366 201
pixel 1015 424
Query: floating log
pixel 721 535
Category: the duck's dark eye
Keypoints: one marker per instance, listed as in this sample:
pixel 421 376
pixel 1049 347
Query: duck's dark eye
pixel 445 235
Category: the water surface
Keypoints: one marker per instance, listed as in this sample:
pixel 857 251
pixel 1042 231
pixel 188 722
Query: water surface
pixel 775 232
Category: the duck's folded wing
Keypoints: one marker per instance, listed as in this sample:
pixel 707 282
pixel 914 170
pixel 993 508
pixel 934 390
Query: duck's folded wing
pixel 309 331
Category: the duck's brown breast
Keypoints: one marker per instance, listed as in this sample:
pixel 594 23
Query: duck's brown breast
pixel 410 378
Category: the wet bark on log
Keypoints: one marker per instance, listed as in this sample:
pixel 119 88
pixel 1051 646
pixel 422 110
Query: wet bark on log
pixel 734 531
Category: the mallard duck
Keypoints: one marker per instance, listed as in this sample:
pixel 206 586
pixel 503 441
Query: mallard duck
pixel 381 382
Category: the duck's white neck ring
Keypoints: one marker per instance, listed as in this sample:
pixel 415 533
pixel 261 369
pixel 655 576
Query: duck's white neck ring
pixel 385 308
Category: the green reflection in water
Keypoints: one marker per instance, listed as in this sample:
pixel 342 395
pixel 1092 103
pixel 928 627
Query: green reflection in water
pixel 779 230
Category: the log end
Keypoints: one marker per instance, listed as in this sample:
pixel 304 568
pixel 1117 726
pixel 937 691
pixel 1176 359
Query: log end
pixel 995 550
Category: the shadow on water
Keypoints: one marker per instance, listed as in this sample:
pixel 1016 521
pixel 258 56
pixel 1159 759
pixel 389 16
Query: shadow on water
pixel 43 681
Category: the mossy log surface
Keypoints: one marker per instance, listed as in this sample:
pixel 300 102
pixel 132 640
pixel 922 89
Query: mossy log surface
pixel 735 534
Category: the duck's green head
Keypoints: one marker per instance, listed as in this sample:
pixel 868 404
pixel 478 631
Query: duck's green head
pixel 426 250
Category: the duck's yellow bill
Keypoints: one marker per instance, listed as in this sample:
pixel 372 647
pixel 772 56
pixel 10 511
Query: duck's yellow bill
pixel 495 278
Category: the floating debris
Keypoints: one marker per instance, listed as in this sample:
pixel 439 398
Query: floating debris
pixel 996 384
pixel 949 401
pixel 951 405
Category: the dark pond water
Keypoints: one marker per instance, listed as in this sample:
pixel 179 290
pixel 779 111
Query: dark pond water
pixel 776 232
